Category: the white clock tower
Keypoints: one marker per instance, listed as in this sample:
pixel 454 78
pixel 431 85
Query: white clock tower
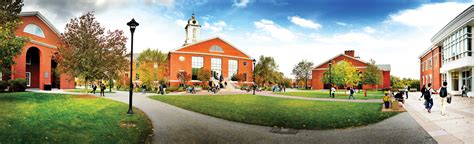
pixel 192 30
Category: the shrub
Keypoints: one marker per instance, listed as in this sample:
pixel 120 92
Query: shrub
pixel 17 85
pixel 175 89
pixel 3 85
pixel 244 87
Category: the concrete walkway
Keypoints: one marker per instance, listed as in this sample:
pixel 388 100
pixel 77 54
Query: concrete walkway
pixel 176 125
pixel 457 126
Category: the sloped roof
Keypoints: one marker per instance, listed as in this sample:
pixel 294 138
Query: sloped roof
pixel 383 67
pixel 42 18
pixel 204 40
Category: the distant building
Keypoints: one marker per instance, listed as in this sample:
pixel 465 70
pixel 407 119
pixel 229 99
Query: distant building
pixel 214 54
pixel 349 56
pixel 37 62
pixel 450 57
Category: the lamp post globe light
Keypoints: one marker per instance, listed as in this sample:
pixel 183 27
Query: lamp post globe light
pixel 330 79
pixel 253 76
pixel 132 24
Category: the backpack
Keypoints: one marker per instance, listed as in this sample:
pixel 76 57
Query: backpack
pixel 443 92
pixel 427 94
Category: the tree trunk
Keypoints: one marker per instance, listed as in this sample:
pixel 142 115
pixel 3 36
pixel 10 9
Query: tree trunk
pixel 306 83
pixel 87 91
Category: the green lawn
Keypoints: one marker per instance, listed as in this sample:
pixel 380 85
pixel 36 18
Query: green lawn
pixel 53 118
pixel 87 90
pixel 339 94
pixel 271 111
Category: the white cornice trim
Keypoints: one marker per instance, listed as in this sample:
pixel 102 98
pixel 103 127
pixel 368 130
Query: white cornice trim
pixel 43 44
pixel 42 18
pixel 209 54
pixel 216 37
pixel 446 29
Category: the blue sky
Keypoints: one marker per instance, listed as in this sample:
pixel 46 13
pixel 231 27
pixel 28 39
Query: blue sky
pixel 388 31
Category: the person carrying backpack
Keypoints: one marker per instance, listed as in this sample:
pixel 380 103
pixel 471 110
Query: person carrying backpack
pixel 351 93
pixel 443 93
pixel 428 100
pixel 423 89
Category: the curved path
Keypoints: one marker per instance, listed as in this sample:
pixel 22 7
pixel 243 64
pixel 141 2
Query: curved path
pixel 176 125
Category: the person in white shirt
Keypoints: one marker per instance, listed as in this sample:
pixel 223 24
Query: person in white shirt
pixel 333 92
pixel 444 95
pixel 406 91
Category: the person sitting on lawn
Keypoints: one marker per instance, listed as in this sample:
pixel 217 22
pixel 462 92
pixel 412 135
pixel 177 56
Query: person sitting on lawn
pixel 399 97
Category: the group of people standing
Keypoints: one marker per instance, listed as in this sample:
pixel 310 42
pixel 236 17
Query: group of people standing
pixel 279 88
pixel 101 85
pixel 445 97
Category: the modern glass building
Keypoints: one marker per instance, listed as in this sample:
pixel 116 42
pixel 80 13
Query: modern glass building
pixel 450 58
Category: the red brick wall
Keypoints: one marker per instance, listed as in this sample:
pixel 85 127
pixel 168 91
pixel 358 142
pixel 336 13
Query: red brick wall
pixel 434 55
pixel 202 50
pixel 318 72
pixel 51 38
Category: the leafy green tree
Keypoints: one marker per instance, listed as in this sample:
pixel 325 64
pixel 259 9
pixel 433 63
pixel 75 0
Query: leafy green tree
pixel 183 77
pixel 342 74
pixel 372 74
pixel 10 44
pixel 204 75
pixel 264 70
pixel 153 65
pixel 91 53
pixel 302 71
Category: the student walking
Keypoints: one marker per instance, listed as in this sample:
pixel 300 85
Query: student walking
pixel 143 89
pixel 464 91
pixel 351 93
pixel 94 87
pixel 102 89
pixel 428 100
pixel 406 91
pixel 333 92
pixel 443 94
pixel 422 90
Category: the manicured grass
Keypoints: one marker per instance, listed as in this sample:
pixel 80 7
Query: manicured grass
pixel 87 90
pixel 53 118
pixel 290 113
pixel 338 95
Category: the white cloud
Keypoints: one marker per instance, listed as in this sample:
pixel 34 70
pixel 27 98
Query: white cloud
pixel 181 23
pixel 161 2
pixel 304 22
pixel 274 30
pixel 433 16
pixel 369 30
pixel 341 23
pixel 241 3
pixel 216 27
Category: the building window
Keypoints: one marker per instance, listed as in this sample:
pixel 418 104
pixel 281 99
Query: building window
pixel 216 66
pixel 455 81
pixel 1 76
pixel 216 48
pixel 196 64
pixel 28 79
pixel 245 76
pixel 467 79
pixel 34 30
pixel 245 63
pixel 233 68
pixel 457 45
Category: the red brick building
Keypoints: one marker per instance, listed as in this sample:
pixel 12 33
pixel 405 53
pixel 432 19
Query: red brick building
pixel 214 54
pixel 36 63
pixel 430 64
pixel 349 56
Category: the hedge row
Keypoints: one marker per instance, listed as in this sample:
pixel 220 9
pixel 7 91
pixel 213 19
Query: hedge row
pixel 16 85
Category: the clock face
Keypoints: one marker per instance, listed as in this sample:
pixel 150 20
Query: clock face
pixel 181 58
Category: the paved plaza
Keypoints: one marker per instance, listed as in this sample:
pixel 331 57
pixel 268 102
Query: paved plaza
pixel 457 126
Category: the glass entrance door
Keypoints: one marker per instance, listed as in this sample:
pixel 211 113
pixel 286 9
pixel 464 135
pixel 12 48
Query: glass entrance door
pixel 455 81
pixel 467 79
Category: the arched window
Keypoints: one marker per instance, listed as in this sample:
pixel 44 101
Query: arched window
pixel 216 48
pixel 34 29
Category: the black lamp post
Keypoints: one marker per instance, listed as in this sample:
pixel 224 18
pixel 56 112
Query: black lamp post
pixel 253 76
pixel 330 79
pixel 132 24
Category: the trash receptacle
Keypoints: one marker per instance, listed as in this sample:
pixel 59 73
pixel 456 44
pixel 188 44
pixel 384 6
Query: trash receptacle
pixel 47 87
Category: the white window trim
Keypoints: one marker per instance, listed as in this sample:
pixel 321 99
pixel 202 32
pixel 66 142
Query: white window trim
pixel 1 76
pixel 28 84
pixel 35 27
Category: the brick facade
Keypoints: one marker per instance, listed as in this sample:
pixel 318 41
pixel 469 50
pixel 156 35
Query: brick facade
pixel 43 48
pixel 430 64
pixel 349 56
pixel 181 59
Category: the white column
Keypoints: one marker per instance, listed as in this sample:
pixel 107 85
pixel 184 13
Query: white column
pixel 448 79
